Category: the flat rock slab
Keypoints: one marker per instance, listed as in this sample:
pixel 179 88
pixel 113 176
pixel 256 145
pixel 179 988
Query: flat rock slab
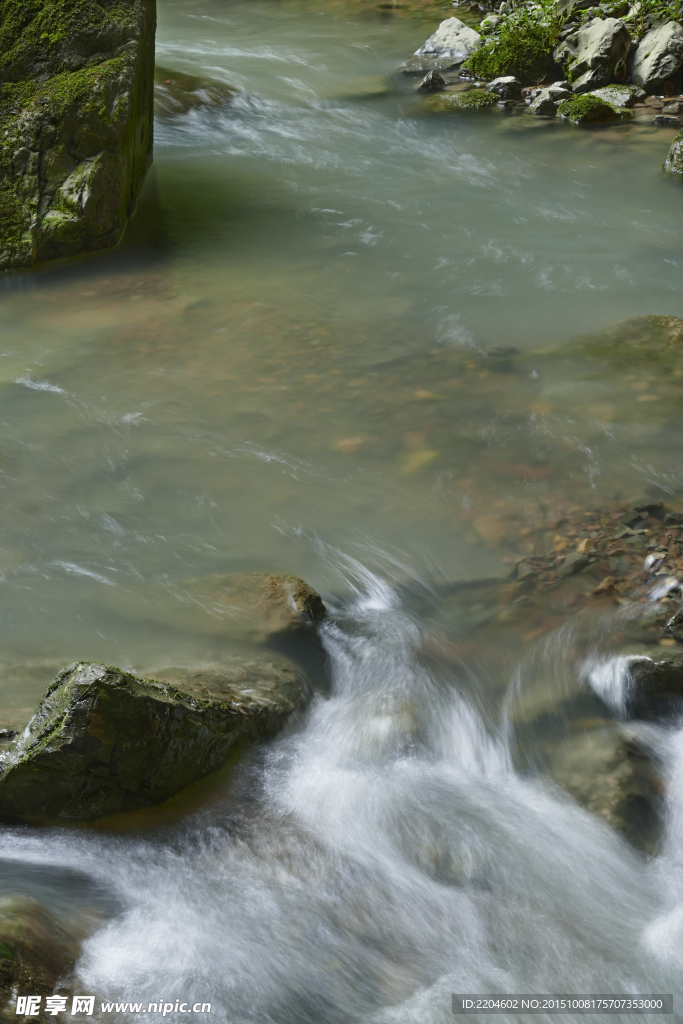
pixel 104 742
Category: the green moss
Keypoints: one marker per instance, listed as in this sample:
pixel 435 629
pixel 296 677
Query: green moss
pixel 525 53
pixel 586 109
pixel 49 31
pixel 472 99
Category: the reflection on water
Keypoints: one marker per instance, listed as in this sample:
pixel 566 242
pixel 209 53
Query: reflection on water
pixel 335 342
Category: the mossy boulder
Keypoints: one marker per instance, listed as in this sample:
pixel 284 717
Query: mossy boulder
pixel 525 53
pixel 35 950
pixel 587 109
pixel 76 109
pixel 104 741
pixel 471 99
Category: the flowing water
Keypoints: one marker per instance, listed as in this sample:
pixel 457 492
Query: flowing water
pixel 334 342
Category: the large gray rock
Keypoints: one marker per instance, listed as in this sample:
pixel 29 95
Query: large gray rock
pixel 507 87
pixel 452 39
pixel 546 101
pixel 619 95
pixel 608 772
pixel 658 58
pixel 592 55
pixel 75 124
pixel 104 742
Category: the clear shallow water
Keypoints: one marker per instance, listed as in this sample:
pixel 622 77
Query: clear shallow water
pixel 281 370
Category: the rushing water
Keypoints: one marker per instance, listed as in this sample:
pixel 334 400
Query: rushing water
pixel 282 368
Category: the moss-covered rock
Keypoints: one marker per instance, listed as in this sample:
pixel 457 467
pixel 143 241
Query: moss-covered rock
pixel 104 742
pixel 524 52
pixel 76 96
pixel 674 160
pixel 587 109
pixel 471 99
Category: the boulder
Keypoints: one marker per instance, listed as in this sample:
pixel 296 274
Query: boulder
pixel 75 124
pixel 452 39
pixel 668 121
pixel 546 101
pixel 35 950
pixel 607 771
pixel 176 93
pixel 506 88
pixel 249 607
pixel 658 58
pixel 593 54
pixel 619 95
pixel 586 109
pixel 103 741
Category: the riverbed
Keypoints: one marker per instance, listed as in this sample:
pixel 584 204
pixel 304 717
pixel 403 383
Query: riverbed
pixel 332 343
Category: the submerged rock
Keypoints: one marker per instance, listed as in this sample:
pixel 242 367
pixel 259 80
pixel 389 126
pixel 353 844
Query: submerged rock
pixel 595 53
pixel 608 772
pixel 471 99
pixel 176 93
pixel 103 741
pixel 659 57
pixel 35 951
pixel 452 39
pixel 252 607
pixel 75 125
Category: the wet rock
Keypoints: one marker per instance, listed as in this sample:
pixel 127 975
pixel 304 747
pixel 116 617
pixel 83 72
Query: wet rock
pixel 432 82
pixel 593 53
pixel 472 99
pixel 573 564
pixel 608 771
pixel 452 39
pixel 35 950
pixel 668 121
pixel 659 57
pixel 547 100
pixel 75 125
pixel 673 519
pixel 176 93
pixel 507 88
pixel 655 682
pixel 252 607
pixel 586 109
pixel 104 742
pixel 674 160
pixel 619 95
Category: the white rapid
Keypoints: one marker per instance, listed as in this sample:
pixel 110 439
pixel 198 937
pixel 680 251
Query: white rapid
pixel 381 856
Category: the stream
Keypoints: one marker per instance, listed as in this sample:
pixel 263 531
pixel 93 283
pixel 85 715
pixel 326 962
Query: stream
pixel 333 343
